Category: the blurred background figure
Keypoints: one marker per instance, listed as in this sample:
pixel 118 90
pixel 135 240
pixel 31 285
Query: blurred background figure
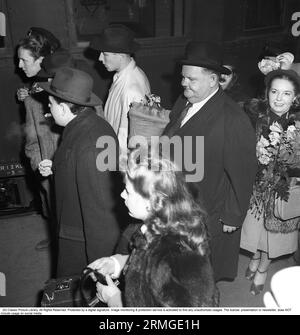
pixel 230 83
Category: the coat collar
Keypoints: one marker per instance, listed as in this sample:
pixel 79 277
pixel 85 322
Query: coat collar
pixel 78 121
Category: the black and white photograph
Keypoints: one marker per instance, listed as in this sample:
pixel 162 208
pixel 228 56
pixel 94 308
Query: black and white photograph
pixel 149 160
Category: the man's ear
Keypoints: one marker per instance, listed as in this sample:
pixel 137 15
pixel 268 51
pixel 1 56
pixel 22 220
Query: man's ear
pixel 65 108
pixel 214 80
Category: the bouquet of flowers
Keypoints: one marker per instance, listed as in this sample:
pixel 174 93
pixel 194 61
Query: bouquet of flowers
pixel 276 155
pixel 147 118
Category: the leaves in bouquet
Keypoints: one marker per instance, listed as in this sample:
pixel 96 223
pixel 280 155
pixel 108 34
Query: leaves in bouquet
pixel 282 190
pixel 153 100
pixel 276 156
pixel 150 106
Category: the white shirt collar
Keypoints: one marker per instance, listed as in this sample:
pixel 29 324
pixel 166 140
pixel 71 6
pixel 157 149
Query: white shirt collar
pixel 196 106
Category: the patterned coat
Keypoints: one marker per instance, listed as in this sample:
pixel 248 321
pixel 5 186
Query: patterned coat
pixel 42 135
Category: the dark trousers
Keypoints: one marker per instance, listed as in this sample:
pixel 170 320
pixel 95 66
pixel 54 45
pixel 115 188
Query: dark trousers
pixel 72 257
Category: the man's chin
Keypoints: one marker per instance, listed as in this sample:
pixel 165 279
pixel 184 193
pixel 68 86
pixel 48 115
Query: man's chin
pixel 186 94
pixel 108 69
pixel 30 75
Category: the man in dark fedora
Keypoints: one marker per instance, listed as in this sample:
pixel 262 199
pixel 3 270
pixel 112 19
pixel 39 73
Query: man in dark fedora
pixel 229 151
pixel 85 201
pixel 116 45
pixel 43 135
pixel 63 58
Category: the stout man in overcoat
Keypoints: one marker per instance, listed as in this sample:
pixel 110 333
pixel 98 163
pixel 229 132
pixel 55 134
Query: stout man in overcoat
pixel 229 151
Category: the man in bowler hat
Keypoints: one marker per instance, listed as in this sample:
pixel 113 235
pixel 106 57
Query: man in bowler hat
pixel 229 151
pixel 116 45
pixel 85 202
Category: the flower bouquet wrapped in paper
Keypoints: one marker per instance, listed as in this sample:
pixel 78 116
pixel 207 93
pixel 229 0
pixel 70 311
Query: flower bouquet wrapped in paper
pixel 147 118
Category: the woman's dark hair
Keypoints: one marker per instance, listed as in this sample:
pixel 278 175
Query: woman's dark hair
pixel 39 43
pixel 173 208
pixel 291 80
pixel 41 33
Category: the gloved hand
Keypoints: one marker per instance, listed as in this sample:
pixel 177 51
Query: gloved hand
pixel 109 294
pixel 45 167
pixel 104 265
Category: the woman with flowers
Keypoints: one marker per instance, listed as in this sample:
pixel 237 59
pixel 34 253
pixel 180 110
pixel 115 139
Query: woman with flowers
pixel 278 150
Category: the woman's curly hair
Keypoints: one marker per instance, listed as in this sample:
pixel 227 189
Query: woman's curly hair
pixel 40 42
pixel 173 208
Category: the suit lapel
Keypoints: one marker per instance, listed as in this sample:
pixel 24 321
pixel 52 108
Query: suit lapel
pixel 176 111
pixel 206 113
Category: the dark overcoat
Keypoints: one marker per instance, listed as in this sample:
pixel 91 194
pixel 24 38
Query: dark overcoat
pixel 229 170
pixel 85 197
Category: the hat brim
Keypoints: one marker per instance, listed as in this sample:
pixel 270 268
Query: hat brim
pixel 288 73
pixel 43 74
pixel 218 68
pixel 101 45
pixel 93 101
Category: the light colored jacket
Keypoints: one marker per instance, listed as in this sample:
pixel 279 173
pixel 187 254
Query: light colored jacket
pixel 130 84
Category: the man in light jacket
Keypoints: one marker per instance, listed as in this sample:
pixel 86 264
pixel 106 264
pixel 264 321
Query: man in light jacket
pixel 116 45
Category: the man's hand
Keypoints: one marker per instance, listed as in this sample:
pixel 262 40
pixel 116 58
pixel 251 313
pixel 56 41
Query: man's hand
pixel 22 93
pixel 228 229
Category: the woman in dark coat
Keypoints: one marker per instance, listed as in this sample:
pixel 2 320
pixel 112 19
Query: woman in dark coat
pixel 169 264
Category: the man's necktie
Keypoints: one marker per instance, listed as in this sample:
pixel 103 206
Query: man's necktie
pixel 176 125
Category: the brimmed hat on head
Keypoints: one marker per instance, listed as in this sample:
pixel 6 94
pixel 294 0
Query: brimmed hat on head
pixel 205 54
pixel 55 61
pixel 288 73
pixel 74 86
pixel 116 38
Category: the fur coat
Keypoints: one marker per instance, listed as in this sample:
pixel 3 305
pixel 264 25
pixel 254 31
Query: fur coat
pixel 168 272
